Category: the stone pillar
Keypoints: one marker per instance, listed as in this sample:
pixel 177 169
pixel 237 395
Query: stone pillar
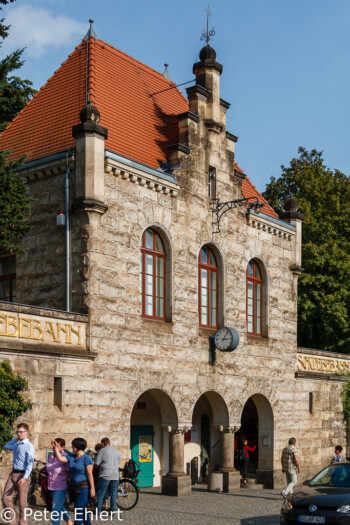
pixel 176 482
pixel 231 476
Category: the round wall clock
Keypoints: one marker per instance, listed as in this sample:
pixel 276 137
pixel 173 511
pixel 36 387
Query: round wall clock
pixel 226 339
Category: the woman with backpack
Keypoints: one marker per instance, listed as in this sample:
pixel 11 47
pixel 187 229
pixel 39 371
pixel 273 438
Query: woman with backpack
pixel 244 458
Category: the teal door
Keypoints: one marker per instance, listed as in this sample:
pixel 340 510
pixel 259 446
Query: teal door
pixel 142 452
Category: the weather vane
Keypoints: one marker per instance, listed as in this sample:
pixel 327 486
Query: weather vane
pixel 206 34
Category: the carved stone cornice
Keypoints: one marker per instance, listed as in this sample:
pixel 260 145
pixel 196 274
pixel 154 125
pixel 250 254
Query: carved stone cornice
pixel 274 228
pixel 47 169
pixel 142 178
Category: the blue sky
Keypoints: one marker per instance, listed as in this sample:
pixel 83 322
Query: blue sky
pixel 286 63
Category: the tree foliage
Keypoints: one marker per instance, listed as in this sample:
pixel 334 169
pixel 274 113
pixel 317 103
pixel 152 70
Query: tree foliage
pixel 14 206
pixel 324 287
pixel 14 92
pixel 12 402
pixel 346 399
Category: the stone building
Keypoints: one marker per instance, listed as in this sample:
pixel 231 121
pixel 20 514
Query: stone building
pixel 110 317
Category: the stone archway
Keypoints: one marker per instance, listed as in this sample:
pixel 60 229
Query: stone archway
pixel 257 426
pixel 211 438
pixel 152 416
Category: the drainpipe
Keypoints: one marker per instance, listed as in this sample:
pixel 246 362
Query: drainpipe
pixel 67 221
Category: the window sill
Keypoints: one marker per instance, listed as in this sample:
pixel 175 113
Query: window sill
pixel 148 322
pixel 206 332
pixel 260 340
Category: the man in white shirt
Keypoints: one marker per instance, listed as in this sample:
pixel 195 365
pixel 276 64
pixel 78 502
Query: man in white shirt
pixel 19 478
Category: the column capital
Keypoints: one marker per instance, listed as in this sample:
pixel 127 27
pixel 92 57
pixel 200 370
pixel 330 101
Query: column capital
pixel 180 429
pixel 227 429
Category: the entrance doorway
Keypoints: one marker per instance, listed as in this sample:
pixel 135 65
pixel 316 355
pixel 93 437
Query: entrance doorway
pixel 250 431
pixel 257 427
pixel 203 441
pixel 152 414
pixel 141 445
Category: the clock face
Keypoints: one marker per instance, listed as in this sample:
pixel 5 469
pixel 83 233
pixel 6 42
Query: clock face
pixel 223 338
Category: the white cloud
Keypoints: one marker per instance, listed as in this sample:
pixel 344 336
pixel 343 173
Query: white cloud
pixel 38 29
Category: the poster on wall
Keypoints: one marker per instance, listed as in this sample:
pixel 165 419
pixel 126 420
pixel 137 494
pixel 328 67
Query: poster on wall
pixel 145 449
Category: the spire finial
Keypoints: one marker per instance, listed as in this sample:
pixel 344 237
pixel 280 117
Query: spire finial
pixel 207 34
pixel 166 73
pixel 91 31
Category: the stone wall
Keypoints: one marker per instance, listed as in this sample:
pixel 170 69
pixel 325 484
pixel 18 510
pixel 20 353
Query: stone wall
pixel 134 355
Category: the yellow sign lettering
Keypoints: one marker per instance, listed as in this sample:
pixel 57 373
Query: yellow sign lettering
pixel 76 332
pixel 11 323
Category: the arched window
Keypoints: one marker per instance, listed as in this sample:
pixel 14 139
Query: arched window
pixel 254 299
pixel 152 275
pixel 208 289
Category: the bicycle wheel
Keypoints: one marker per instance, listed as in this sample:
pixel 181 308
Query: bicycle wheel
pixel 31 490
pixel 128 494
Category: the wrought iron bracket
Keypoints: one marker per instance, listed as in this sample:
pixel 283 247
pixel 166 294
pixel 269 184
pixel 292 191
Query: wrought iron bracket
pixel 218 209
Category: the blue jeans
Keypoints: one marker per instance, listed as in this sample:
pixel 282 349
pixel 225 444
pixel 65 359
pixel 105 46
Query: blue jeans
pixel 102 486
pixel 58 497
pixel 81 514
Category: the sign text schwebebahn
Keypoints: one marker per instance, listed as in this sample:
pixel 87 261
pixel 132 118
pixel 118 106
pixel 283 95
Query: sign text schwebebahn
pixel 41 330
pixel 326 365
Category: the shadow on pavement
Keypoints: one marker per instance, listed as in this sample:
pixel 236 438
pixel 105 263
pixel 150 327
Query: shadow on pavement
pixel 272 497
pixel 273 519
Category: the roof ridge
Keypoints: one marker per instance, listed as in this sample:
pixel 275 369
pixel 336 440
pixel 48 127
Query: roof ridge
pixel 91 70
pixel 40 90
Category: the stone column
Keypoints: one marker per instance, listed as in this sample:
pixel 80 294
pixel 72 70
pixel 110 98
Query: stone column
pixel 176 482
pixel 231 476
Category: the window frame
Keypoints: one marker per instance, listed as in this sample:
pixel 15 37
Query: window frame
pixel 154 253
pixel 212 182
pixel 210 268
pixel 11 277
pixel 255 280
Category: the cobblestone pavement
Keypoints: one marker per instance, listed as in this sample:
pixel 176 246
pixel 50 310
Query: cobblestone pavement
pixel 247 507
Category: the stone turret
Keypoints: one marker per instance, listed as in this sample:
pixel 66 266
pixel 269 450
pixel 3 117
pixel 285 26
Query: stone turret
pixel 90 145
pixel 295 217
pixel 207 72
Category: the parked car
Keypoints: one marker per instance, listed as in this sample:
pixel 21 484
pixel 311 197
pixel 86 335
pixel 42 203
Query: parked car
pixel 323 499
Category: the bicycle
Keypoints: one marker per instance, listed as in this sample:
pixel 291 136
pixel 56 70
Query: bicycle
pixel 33 483
pixel 128 491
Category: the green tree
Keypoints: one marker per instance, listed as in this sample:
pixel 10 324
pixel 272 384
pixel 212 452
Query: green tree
pixel 14 92
pixel 324 287
pixel 12 402
pixel 14 206
pixel 4 29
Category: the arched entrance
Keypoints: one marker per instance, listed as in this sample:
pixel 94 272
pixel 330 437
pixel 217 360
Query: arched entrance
pixel 152 414
pixel 257 426
pixel 204 440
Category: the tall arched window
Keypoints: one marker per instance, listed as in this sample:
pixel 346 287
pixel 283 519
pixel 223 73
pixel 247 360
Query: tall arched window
pixel 208 289
pixel 152 275
pixel 254 299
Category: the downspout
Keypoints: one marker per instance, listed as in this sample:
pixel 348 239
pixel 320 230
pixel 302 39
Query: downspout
pixel 67 221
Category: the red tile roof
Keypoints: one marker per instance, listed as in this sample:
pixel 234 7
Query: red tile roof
pixel 140 126
pixel 249 190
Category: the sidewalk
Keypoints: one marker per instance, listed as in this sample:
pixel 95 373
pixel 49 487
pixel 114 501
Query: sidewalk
pixel 245 507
